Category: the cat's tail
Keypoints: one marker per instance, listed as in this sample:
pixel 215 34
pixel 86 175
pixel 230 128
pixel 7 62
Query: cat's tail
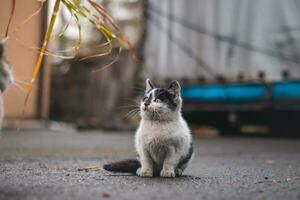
pixel 124 166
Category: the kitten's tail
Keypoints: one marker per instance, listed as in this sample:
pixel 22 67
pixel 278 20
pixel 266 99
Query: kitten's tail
pixel 124 166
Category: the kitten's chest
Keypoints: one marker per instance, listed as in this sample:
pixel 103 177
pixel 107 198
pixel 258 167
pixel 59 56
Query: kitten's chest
pixel 158 137
pixel 157 145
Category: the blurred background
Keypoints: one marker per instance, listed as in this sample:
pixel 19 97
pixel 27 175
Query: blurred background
pixel 237 61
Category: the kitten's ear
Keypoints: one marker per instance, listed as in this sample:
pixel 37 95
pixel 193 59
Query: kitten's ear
pixel 149 85
pixel 175 88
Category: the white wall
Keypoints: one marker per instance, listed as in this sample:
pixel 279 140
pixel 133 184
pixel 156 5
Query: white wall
pixel 260 23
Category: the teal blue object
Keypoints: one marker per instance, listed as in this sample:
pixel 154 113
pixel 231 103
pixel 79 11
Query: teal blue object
pixel 229 92
pixel 242 92
pixel 286 90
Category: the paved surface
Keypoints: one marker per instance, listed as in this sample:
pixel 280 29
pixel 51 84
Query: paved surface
pixel 52 165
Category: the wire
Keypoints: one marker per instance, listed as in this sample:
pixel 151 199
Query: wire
pixel 182 46
pixel 222 38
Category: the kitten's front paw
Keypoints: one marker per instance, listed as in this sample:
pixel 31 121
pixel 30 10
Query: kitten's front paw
pixel 167 173
pixel 144 172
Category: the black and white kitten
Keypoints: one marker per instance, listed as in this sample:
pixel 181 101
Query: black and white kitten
pixel 6 76
pixel 163 140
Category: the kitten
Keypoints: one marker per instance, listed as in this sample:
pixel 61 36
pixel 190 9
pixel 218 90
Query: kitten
pixel 6 76
pixel 163 140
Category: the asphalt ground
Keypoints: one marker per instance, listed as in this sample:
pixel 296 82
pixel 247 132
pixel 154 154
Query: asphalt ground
pixel 67 165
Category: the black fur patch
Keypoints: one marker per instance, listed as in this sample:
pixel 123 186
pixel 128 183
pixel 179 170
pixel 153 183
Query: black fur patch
pixel 166 97
pixel 187 158
pixel 149 90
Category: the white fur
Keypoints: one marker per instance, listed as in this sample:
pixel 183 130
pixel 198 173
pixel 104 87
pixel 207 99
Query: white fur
pixel 162 143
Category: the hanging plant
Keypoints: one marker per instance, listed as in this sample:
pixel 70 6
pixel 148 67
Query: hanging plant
pixel 78 9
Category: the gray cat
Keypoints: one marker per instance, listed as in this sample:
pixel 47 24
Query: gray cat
pixel 163 140
pixel 6 76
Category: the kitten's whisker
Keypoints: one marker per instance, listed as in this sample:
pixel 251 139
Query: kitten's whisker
pixel 131 113
pixel 130 105
pixel 137 88
pixel 133 110
pixel 129 117
pixel 124 108
pixel 130 100
pixel 134 114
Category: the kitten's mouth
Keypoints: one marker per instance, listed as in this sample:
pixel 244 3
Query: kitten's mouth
pixel 148 110
pixel 145 108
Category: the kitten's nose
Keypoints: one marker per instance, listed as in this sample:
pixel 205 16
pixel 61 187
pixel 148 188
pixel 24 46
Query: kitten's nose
pixel 147 103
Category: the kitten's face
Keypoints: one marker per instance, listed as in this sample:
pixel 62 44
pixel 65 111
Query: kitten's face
pixel 6 75
pixel 160 104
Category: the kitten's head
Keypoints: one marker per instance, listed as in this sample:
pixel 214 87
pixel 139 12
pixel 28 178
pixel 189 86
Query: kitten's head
pixel 6 74
pixel 161 104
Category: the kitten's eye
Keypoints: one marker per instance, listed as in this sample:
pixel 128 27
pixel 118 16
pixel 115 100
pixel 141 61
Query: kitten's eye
pixel 145 98
pixel 157 100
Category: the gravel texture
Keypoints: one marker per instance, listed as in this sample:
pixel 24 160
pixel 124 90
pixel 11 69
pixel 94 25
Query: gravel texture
pixel 59 165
